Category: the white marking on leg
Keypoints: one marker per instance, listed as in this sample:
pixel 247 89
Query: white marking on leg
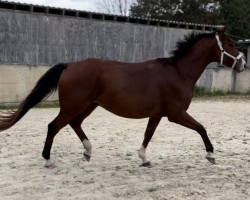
pixel 210 155
pixel 87 145
pixel 49 164
pixel 141 153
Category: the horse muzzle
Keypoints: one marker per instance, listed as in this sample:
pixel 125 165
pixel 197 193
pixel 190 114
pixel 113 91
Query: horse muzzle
pixel 241 65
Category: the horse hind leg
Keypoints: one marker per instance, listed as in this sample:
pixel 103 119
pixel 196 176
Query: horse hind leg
pixel 152 125
pixel 76 126
pixel 53 128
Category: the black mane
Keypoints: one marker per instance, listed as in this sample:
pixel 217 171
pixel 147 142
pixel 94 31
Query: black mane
pixel 182 46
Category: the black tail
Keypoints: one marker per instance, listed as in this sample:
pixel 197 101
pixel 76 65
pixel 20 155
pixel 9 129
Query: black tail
pixel 46 85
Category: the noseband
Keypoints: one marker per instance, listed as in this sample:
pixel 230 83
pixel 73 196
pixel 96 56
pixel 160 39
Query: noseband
pixel 223 52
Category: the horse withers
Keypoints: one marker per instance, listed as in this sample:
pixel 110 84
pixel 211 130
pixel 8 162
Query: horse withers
pixel 152 89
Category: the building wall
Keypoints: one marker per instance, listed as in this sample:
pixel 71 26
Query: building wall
pixel 38 39
pixel 32 42
pixel 16 82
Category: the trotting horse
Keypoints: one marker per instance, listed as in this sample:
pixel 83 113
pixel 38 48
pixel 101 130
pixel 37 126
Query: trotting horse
pixel 152 89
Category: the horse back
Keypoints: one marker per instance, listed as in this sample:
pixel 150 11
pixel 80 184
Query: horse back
pixel 133 90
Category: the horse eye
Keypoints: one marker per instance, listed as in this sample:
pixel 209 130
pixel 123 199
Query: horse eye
pixel 231 45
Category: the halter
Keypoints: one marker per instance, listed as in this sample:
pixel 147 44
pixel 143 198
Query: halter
pixel 236 59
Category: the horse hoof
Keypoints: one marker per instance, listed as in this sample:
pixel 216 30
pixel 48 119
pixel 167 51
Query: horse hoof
pixel 146 164
pixel 50 165
pixel 87 157
pixel 211 160
pixel 210 157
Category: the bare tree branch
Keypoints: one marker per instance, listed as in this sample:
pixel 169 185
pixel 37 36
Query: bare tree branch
pixel 119 7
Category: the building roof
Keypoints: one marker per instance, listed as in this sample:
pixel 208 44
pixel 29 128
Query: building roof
pixel 46 10
pixel 245 41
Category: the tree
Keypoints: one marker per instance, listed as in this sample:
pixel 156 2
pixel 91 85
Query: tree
pixel 199 11
pixel 196 11
pixel 155 9
pixel 120 7
pixel 236 14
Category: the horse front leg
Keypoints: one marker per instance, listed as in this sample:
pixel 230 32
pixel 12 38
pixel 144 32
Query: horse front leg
pixel 152 125
pixel 186 120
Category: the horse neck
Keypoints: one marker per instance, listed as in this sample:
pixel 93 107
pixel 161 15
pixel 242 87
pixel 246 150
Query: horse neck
pixel 193 64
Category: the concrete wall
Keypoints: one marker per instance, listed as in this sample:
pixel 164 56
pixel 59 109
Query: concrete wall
pixel 17 81
pixel 31 42
pixel 225 79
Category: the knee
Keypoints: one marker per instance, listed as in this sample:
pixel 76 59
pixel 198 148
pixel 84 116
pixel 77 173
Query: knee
pixel 201 130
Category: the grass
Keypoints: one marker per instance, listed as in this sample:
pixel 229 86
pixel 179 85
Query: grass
pixel 11 106
pixel 202 91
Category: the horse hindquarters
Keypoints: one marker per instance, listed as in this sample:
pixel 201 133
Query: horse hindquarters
pixel 76 103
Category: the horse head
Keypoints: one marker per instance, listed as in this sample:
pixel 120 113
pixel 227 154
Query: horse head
pixel 226 53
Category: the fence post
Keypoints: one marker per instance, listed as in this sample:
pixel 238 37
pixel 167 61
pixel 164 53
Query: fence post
pixel 248 55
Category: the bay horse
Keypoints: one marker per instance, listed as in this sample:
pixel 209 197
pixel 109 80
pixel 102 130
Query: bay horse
pixel 152 89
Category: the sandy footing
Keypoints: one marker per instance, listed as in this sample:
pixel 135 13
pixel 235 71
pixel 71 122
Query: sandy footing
pixel 179 168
